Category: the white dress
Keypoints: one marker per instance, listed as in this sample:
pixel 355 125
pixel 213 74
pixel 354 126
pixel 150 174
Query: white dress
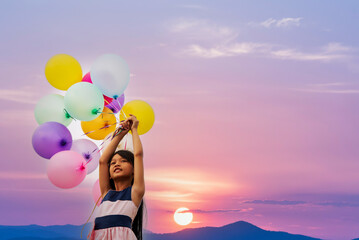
pixel 115 216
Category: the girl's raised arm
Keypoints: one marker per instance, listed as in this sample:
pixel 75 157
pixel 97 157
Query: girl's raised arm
pixel 139 181
pixel 104 175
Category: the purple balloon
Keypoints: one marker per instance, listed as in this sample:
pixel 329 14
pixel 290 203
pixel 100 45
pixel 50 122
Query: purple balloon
pixel 50 138
pixel 116 104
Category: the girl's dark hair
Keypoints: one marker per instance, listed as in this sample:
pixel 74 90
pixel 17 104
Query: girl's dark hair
pixel 137 222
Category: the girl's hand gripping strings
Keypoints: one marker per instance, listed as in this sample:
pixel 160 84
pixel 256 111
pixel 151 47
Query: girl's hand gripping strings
pixel 133 122
pixel 125 127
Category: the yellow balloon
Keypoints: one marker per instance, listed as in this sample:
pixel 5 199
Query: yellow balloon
pixel 101 126
pixel 62 71
pixel 142 111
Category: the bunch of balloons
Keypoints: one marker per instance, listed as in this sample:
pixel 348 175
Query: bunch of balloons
pixel 97 100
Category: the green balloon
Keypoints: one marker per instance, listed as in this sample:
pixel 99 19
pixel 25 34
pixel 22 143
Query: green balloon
pixel 51 108
pixel 84 101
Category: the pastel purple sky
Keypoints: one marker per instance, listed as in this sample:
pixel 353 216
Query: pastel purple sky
pixel 256 103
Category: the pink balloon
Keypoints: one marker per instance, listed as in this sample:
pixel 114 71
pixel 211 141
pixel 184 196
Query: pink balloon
pixel 87 78
pixel 66 169
pixel 96 192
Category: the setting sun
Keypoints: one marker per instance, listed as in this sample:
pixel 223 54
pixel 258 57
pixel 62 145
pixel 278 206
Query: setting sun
pixel 183 218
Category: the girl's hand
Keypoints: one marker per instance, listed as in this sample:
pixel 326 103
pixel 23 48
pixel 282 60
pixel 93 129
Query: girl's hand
pixel 133 122
pixel 124 127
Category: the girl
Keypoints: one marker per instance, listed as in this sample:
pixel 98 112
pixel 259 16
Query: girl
pixel 122 185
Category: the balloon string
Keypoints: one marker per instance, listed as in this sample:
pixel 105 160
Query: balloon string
pixel 67 114
pixel 106 101
pixel 111 139
pixel 117 118
pixel 121 108
pixel 112 105
pixel 103 142
pixel 118 110
pixel 100 196
pixel 117 133
pixel 90 216
pixel 114 109
pixel 107 126
pixel 106 113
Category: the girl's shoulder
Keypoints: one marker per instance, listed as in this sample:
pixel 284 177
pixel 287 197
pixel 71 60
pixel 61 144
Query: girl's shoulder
pixel 105 193
pixel 102 197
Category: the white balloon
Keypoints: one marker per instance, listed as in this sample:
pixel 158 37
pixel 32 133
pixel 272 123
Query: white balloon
pixel 110 73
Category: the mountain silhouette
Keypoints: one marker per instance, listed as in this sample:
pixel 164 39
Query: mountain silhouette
pixel 238 230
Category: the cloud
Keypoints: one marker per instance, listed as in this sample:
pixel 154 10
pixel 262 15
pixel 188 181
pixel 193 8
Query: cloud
pixel 25 95
pixel 202 30
pixel 209 40
pixel 288 202
pixel 183 179
pixel 292 54
pixel 171 196
pixel 235 49
pixel 152 99
pixel 220 210
pixel 192 92
pixel 333 87
pixel 77 190
pixel 276 202
pixel 348 91
pixel 22 175
pixel 215 210
pixel 281 23
pixel 13 117
pixel 186 185
pixel 329 52
pixel 327 84
pixel 336 47
pixel 339 204
pixel 193 6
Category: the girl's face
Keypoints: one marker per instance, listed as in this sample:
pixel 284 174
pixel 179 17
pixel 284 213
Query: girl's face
pixel 120 167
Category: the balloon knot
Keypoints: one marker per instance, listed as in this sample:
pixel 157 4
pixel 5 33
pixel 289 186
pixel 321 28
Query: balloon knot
pixel 95 111
pixel 63 142
pixel 82 167
pixel 67 115
pixel 87 155
pixel 115 97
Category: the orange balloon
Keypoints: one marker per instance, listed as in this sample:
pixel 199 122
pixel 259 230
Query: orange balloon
pixel 101 126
